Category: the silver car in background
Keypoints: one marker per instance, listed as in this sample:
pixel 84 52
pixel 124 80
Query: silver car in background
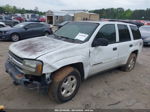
pixel 145 33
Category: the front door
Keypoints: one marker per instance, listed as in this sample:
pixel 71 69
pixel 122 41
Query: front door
pixel 104 57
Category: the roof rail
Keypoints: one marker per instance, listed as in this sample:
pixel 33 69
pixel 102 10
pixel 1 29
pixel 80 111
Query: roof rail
pixel 139 24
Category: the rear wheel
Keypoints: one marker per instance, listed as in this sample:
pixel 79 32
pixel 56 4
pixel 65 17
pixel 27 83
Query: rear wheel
pixel 130 63
pixel 46 33
pixel 15 37
pixel 65 85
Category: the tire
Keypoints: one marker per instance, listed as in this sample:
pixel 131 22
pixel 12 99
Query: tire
pixel 130 63
pixel 15 83
pixel 65 84
pixel 15 37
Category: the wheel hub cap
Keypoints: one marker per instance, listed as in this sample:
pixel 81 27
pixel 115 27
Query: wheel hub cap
pixel 15 38
pixel 68 86
pixel 131 64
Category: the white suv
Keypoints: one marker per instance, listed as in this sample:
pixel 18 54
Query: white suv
pixel 73 53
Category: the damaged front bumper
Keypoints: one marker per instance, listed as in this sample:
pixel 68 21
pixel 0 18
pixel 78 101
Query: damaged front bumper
pixel 24 80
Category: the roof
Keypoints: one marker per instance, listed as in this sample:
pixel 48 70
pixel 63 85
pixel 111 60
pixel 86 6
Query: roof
pixel 108 22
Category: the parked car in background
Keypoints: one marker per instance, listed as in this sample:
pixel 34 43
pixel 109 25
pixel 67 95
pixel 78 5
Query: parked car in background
pixel 25 30
pixel 8 21
pixel 42 19
pixel 145 33
pixel 19 18
pixel 147 22
pixel 36 19
pixel 2 24
pixel 75 52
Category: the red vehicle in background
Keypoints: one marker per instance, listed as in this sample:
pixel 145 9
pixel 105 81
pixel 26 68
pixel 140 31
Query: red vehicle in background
pixel 144 22
pixel 21 19
pixel 147 23
pixel 42 19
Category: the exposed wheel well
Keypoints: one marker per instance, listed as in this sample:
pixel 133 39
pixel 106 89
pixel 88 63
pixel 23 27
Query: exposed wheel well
pixel 136 52
pixel 78 66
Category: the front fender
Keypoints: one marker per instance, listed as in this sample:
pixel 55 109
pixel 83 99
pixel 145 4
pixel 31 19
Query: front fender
pixel 49 68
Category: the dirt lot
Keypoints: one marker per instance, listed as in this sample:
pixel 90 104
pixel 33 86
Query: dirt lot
pixel 112 89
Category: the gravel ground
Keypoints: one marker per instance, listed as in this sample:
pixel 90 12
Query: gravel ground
pixel 110 90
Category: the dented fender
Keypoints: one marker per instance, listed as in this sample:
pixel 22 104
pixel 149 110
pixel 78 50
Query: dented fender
pixel 49 68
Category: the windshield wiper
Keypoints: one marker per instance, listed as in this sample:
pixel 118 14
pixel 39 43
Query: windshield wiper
pixel 62 37
pixel 66 38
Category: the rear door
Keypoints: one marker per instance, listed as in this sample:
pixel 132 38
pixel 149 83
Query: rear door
pixel 125 43
pixel 138 42
pixel 28 31
pixel 38 29
pixel 33 30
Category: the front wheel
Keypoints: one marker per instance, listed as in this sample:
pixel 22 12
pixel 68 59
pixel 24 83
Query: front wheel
pixel 130 63
pixel 15 37
pixel 65 84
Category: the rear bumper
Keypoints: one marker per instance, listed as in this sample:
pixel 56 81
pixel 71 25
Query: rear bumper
pixel 21 79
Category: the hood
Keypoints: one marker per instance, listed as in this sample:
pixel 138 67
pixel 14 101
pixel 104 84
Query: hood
pixel 7 28
pixel 36 47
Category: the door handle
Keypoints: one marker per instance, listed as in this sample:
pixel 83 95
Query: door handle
pixel 131 45
pixel 115 48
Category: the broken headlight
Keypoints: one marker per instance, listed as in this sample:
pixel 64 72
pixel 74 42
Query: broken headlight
pixel 34 66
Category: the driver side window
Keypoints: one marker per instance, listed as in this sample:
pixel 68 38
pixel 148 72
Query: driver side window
pixel 108 32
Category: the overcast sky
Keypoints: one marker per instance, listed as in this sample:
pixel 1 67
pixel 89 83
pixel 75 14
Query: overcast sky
pixel 44 5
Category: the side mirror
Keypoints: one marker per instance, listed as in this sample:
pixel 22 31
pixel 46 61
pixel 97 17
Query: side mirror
pixel 100 42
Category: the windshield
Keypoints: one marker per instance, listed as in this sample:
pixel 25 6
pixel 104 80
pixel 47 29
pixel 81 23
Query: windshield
pixel 77 31
pixel 20 25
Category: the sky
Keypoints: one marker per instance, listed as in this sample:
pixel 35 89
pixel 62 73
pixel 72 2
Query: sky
pixel 45 5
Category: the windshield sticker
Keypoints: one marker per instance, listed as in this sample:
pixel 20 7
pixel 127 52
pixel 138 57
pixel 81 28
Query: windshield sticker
pixel 81 36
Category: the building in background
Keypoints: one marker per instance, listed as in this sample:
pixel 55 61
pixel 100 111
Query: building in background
pixel 86 16
pixel 57 17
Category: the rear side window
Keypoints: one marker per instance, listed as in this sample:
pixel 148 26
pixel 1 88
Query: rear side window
pixel 136 33
pixel 35 25
pixel 30 25
pixel 39 25
pixel 108 32
pixel 124 34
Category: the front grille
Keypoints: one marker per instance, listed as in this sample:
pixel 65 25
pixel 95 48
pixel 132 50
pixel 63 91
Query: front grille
pixel 16 57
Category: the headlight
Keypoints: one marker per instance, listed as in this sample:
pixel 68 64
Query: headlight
pixel 4 32
pixel 34 66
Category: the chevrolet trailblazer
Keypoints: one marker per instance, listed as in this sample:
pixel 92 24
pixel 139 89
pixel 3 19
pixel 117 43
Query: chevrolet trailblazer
pixel 73 53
